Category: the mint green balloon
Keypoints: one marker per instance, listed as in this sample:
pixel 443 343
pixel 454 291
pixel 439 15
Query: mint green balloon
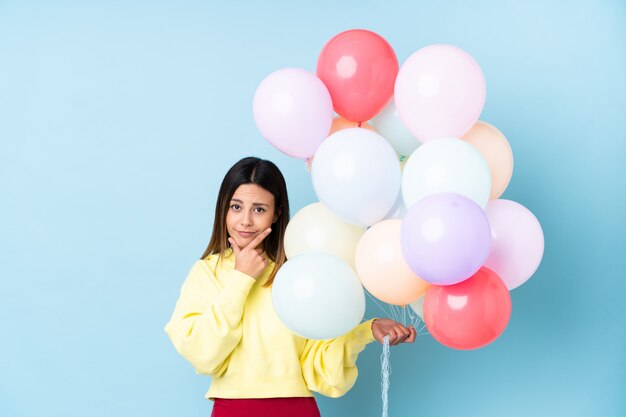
pixel 446 165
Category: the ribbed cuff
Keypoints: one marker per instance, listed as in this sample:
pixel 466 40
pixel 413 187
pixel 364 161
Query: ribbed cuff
pixel 363 332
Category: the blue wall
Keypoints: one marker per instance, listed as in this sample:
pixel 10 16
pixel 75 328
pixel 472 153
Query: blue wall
pixel 119 119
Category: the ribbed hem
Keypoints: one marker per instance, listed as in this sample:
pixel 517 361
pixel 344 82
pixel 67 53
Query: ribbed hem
pixel 279 388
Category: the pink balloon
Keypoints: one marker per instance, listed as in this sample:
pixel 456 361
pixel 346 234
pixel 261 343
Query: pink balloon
pixel 293 110
pixel 439 92
pixel 516 242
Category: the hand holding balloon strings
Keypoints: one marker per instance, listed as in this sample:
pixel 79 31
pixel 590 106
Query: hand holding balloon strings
pixel 396 332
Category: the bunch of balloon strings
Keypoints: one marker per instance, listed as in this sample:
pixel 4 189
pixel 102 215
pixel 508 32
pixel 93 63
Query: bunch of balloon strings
pixel 407 316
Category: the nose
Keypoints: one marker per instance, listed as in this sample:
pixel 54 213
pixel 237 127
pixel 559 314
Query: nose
pixel 246 219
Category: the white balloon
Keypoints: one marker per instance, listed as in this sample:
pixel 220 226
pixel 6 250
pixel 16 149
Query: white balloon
pixel 315 228
pixel 356 173
pixel 389 124
pixel 446 165
pixel 318 296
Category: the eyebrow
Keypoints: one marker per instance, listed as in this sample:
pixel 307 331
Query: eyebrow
pixel 254 204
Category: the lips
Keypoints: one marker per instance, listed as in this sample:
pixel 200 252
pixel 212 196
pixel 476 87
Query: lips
pixel 246 234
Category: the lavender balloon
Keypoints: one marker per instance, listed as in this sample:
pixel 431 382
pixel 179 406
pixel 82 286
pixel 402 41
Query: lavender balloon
pixel 445 238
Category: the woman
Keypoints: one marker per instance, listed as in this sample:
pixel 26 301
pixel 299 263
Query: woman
pixel 224 323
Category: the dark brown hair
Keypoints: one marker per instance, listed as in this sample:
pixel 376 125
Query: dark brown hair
pixel 264 173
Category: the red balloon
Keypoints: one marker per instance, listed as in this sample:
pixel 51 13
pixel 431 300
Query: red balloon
pixel 359 69
pixel 470 314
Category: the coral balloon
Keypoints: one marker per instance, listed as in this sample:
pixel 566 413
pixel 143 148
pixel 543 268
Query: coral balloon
pixel 382 268
pixel 359 68
pixel 517 242
pixel 439 92
pixel 492 144
pixel 468 315
pixel 315 228
pixel 293 111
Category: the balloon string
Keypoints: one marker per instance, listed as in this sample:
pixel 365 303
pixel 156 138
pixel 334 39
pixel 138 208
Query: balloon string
pixel 378 304
pixel 384 373
pixel 416 321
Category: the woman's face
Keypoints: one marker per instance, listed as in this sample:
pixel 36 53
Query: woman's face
pixel 251 211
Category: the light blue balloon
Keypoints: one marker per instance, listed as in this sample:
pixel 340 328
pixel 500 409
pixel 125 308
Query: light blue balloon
pixel 356 173
pixel 318 296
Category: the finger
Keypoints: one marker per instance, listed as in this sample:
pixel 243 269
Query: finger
pixel 234 245
pixel 259 238
pixel 412 336
pixel 393 337
pixel 400 338
pixel 404 332
pixel 408 333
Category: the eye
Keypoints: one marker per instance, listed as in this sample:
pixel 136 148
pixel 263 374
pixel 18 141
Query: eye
pixel 260 209
pixel 235 206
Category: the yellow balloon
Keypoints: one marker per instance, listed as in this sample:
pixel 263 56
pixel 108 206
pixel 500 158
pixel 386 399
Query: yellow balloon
pixel 315 228
pixel 381 266
pixel 494 147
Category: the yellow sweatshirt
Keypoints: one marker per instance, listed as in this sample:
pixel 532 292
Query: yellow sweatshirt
pixel 225 325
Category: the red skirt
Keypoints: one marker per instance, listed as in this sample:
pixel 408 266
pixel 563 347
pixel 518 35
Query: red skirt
pixel 265 407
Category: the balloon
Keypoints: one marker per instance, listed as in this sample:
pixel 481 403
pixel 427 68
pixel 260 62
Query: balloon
pixel 517 242
pixel 439 92
pixel 339 123
pixel 381 267
pixel 318 296
pixel 418 306
pixel 446 165
pixel 398 210
pixel 445 238
pixel 293 111
pixel 317 229
pixel 391 127
pixel 468 315
pixel 359 68
pixel 496 150
pixel 356 173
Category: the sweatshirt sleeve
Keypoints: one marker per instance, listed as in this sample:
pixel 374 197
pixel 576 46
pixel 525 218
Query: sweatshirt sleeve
pixel 329 366
pixel 206 324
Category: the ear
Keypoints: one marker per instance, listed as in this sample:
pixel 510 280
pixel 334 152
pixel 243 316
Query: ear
pixel 276 216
